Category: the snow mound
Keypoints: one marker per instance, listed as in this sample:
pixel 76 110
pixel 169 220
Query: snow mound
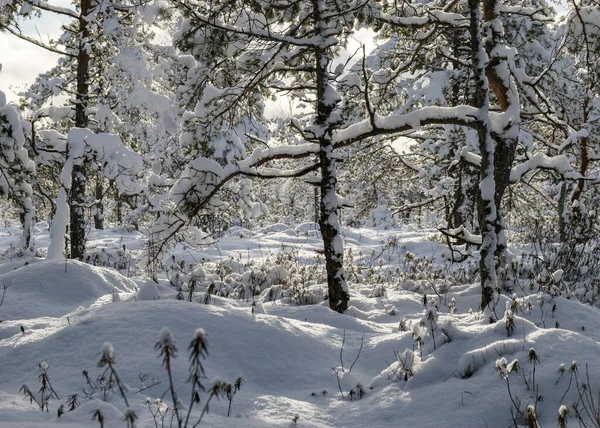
pixel 148 291
pixel 274 228
pixel 240 232
pixel 45 289
pixel 308 227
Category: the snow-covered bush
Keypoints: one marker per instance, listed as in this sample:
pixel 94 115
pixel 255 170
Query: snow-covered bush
pixel 16 168
pixel 569 268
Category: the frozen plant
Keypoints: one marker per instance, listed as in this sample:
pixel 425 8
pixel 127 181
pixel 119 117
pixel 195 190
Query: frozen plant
pixel 533 358
pixel 73 401
pixel 505 369
pixel 586 409
pixel 165 344
pixel 107 358
pixel 129 417
pixel 531 417
pixel 161 410
pixel 101 383
pixel 563 413
pixel 231 390
pixel 198 350
pixel 430 320
pixel 404 365
pixel 357 392
pixel 509 320
pixel 341 371
pixel 452 306
pixel 98 416
pixel 46 391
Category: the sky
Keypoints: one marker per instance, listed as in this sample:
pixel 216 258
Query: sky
pixel 22 61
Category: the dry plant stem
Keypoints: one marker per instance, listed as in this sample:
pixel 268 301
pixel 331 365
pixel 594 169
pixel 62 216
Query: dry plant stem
pixel 119 383
pixel 338 380
pixel 192 401
pixel 342 349
pixel 568 387
pixel 586 398
pixel 172 389
pixel 153 414
pixel 3 294
pixel 512 398
pixel 46 380
pixel 362 340
pixel 205 409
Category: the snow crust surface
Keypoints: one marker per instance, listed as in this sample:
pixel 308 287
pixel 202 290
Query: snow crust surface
pixel 289 356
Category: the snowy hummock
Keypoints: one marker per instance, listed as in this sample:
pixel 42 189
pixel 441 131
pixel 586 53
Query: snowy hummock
pixel 285 353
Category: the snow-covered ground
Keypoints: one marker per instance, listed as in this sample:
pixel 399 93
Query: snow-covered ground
pixel 296 360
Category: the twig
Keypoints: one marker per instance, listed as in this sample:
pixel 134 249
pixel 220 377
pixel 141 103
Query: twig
pixel 3 294
pixel 362 339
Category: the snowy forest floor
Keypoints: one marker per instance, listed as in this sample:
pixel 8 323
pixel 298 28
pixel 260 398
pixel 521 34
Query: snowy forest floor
pixel 296 359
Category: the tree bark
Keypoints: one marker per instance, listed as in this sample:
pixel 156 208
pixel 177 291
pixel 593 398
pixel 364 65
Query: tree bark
pixel 506 92
pixel 77 200
pixel 486 201
pixel 99 206
pixel 329 218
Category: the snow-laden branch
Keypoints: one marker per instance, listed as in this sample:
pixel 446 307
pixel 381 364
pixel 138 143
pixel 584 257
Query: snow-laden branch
pixel 59 10
pixel 470 157
pixel 535 13
pixel 16 168
pixel 55 113
pixel 392 124
pixel 118 164
pixel 559 163
pixel 461 234
pixel 22 36
pixel 259 33
pixel 572 139
pixel 432 17
pixel 197 188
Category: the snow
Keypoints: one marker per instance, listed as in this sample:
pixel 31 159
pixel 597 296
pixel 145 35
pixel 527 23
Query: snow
pixel 60 288
pixel 558 163
pixel 402 122
pixel 59 227
pixel 285 352
pixel 148 291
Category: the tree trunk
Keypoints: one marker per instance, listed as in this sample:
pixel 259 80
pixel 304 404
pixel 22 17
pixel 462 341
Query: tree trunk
pixel 99 206
pixel 316 202
pixel 503 160
pixel 329 220
pixel 486 202
pixel 507 96
pixel 77 203
pixel 26 211
pixel 562 213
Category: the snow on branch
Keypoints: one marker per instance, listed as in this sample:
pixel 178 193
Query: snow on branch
pixel 16 168
pixel 536 13
pixel 259 33
pixel 17 32
pixel 198 186
pixel 572 139
pixel 470 157
pixel 461 234
pixel 559 163
pixel 117 163
pixel 386 125
pixel 59 10
pixel 431 17
pixel 55 113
